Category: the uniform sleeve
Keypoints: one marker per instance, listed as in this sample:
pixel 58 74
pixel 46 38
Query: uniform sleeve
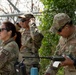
pixel 7 54
pixel 60 46
pixel 72 52
pixel 4 54
pixel 35 33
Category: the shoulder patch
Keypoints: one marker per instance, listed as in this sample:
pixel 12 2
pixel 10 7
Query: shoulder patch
pixel 5 52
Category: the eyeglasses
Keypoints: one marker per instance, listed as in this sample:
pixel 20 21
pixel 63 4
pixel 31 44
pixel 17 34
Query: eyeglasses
pixel 21 20
pixel 1 29
pixel 60 29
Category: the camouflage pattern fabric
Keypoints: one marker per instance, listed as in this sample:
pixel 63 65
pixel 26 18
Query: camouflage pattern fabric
pixel 65 47
pixel 31 42
pixel 0 41
pixel 9 52
pixel 60 20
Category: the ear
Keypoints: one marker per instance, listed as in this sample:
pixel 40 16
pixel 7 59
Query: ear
pixel 9 32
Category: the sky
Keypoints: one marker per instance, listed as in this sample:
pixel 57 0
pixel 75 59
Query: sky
pixel 24 5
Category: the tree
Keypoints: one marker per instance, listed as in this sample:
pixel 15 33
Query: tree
pixel 8 8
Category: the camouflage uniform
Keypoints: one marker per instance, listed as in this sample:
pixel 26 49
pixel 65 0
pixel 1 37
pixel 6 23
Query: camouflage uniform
pixel 8 56
pixel 0 41
pixel 66 46
pixel 31 42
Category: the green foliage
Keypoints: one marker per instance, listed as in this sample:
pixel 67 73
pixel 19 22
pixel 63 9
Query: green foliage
pixel 61 71
pixel 52 7
pixel 47 49
pixel 66 6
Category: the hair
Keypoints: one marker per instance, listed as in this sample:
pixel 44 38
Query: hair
pixel 18 39
pixel 10 27
pixel 18 35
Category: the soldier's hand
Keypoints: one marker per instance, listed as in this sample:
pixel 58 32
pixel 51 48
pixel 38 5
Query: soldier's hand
pixel 32 20
pixel 67 61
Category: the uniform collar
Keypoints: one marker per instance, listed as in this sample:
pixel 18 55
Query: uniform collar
pixel 11 39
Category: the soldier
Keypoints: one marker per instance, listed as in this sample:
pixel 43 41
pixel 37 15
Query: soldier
pixel 62 24
pixel 31 41
pixel 9 50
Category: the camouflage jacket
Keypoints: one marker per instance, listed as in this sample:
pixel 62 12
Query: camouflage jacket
pixel 66 46
pixel 9 52
pixel 31 42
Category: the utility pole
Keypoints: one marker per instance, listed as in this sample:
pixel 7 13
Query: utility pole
pixel 32 5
